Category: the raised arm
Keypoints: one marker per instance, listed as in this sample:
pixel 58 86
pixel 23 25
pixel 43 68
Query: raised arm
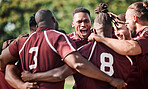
pixel 80 64
pixel 123 47
pixel 54 75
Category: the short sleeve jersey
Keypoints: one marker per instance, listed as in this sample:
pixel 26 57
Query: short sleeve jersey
pixel 75 37
pixel 142 59
pixel 42 51
pixel 107 61
pixel 142 39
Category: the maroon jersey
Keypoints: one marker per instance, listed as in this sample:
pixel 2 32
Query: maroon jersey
pixel 107 61
pixel 141 61
pixel 42 51
pixel 3 82
pixel 77 39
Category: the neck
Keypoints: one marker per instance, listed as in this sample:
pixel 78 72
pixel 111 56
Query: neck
pixel 46 24
pixel 141 26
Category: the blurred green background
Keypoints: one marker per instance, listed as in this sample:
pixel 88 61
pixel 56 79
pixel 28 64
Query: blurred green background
pixel 14 14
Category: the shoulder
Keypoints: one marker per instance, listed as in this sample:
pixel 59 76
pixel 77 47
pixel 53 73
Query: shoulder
pixel 70 34
pixel 56 36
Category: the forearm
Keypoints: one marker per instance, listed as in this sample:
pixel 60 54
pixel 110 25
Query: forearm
pixel 86 68
pixel 123 47
pixel 54 75
pixel 11 76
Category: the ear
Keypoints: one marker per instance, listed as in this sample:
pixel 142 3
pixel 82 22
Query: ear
pixel 73 25
pixel 135 19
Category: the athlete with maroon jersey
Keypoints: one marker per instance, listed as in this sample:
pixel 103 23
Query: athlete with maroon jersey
pixel 34 55
pixel 3 82
pixel 121 31
pixel 13 69
pixel 102 56
pixel 82 24
pixel 137 23
pixel 86 51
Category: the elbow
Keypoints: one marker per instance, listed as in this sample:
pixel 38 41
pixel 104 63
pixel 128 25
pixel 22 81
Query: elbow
pixel 7 73
pixel 133 50
pixel 58 78
pixel 126 51
pixel 79 66
pixel 7 78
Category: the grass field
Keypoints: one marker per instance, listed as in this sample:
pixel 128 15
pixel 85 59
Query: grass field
pixel 69 82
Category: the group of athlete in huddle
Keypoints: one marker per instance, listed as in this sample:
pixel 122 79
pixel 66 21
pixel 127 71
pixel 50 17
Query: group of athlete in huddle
pixel 110 55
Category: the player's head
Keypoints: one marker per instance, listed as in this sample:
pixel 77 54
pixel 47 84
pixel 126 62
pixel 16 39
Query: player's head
pixel 81 22
pixel 45 18
pixel 137 13
pixel 102 22
pixel 32 24
pixel 121 31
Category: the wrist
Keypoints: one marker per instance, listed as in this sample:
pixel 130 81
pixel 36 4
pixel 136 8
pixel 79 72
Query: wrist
pixel 35 77
pixel 110 79
pixel 95 36
pixel 20 85
pixel 98 38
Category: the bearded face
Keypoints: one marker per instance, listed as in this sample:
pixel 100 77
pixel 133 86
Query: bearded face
pixel 131 25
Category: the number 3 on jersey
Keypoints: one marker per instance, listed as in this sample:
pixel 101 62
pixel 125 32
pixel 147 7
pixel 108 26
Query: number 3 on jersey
pixel 108 64
pixel 34 49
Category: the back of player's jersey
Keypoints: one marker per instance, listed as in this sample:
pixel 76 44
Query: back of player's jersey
pixel 40 52
pixel 107 61
pixel 37 55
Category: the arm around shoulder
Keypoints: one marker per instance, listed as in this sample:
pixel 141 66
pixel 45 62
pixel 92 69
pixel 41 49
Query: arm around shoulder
pixel 80 64
pixel 123 47
pixel 13 78
pixel 54 75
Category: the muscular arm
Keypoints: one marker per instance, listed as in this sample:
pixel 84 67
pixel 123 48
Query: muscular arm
pixel 80 64
pixel 6 58
pixel 11 75
pixel 54 75
pixel 123 47
pixel 76 61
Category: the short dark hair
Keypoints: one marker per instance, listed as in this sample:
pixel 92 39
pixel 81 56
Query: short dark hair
pixel 32 21
pixel 81 9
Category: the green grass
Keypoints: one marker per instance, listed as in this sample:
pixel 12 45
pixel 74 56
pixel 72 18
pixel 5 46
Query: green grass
pixel 67 86
pixel 69 82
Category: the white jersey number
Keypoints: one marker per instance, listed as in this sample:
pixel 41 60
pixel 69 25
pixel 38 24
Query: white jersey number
pixel 107 64
pixel 34 49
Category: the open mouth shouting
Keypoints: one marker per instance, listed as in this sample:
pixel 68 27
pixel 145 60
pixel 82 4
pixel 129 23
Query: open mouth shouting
pixel 84 31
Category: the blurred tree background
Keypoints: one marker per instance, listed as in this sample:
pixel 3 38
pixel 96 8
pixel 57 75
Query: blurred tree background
pixel 15 14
